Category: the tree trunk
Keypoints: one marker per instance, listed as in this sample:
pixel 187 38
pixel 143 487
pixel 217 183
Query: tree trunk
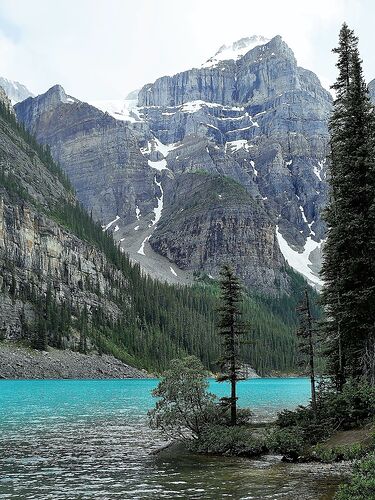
pixel 311 353
pixel 233 381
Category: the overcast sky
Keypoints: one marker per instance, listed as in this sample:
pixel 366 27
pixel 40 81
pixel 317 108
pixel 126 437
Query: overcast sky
pixel 103 49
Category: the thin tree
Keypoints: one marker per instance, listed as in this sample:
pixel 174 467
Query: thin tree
pixel 306 347
pixel 348 268
pixel 230 328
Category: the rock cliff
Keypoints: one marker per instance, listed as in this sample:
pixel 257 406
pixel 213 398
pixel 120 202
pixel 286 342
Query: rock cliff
pixel 260 119
pixel 249 113
pixel 99 153
pixel 38 254
pixel 210 220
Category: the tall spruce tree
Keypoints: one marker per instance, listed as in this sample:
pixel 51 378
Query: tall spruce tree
pixel 348 268
pixel 306 344
pixel 231 328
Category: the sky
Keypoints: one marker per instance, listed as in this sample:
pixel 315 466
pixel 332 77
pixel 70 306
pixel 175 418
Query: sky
pixel 103 49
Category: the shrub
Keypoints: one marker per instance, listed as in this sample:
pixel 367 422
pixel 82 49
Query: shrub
pixel 287 441
pixel 226 440
pixel 184 407
pixel 362 484
pixel 353 407
pixel 355 451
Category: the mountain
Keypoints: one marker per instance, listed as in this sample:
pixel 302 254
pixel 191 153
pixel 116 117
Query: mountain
pixel 14 90
pixel 250 114
pixel 261 120
pixel 61 275
pixel 99 153
pixel 65 284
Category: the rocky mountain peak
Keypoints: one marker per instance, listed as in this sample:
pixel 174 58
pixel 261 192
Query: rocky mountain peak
pixel 276 47
pixel 15 91
pixel 33 108
pixel 235 50
pixel 56 95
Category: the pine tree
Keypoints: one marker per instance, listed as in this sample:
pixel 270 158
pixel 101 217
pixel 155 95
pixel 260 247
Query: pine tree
pixel 231 328
pixel 348 268
pixel 306 345
pixel 41 338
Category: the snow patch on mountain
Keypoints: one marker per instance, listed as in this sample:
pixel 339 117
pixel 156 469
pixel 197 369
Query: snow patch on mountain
pixel 16 91
pixel 105 227
pixel 234 146
pixel 159 208
pixel 156 146
pixel 300 261
pixel 318 169
pixel 123 110
pixel 158 165
pixel 141 250
pixel 173 271
pixel 235 50
pixel 194 106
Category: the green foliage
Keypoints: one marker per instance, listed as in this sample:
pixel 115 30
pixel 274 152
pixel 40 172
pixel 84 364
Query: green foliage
pixel 348 266
pixel 338 453
pixel 230 328
pixel 362 484
pixel 184 407
pixel 288 441
pixel 231 441
pixel 353 407
pixel 186 411
pixel 12 185
pixel 43 152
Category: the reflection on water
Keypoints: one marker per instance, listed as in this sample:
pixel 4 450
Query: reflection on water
pixel 89 439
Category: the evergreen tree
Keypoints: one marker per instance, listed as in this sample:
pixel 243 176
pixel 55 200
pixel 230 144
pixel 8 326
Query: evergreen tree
pixel 306 346
pixel 41 338
pixel 231 328
pixel 348 268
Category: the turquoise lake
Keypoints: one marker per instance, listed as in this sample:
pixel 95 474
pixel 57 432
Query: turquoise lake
pixel 84 439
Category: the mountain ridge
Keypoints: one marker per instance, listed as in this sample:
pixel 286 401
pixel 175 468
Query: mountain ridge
pixel 260 120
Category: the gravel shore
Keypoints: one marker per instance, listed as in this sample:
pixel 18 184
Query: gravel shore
pixel 23 363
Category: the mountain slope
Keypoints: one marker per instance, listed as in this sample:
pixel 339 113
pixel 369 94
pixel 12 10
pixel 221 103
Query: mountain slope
pixel 66 284
pixel 251 114
pixel 100 154
pixel 259 119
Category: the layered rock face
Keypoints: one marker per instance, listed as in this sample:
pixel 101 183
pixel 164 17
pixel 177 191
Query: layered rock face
pixel 35 251
pixel 249 113
pixel 210 220
pixel 100 154
pixel 259 119
pixel 261 109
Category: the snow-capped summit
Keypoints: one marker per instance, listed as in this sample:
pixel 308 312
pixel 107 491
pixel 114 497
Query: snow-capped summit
pixel 235 50
pixel 15 91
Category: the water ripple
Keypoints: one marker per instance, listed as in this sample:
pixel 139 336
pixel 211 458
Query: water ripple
pixel 65 440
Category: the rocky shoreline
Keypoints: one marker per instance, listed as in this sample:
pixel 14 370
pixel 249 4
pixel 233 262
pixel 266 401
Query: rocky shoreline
pixel 22 363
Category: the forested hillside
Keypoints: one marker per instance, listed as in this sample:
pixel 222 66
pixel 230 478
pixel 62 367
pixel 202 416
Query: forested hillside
pixel 65 283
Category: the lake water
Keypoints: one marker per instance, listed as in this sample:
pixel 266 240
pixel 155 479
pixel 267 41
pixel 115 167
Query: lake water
pixel 86 439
